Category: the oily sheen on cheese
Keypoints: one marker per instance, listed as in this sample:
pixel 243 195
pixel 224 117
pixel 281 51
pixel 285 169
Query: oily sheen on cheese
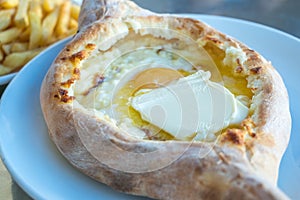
pixel 190 106
pixel 122 69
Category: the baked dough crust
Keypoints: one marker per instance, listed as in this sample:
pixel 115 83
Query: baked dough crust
pixel 242 164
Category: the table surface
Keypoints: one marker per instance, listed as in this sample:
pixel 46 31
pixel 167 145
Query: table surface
pixel 281 14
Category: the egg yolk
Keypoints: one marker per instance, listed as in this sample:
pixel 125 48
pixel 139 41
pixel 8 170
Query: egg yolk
pixel 154 78
pixel 148 79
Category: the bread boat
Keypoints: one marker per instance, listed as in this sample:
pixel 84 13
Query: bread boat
pixel 122 56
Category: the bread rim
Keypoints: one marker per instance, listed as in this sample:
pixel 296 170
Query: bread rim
pixel 235 167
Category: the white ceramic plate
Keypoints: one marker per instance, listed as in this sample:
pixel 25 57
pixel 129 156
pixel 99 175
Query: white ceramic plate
pixel 43 173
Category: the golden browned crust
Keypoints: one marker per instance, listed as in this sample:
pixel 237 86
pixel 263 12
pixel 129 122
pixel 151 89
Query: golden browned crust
pixel 242 164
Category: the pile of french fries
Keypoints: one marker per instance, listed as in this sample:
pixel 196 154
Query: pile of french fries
pixel 28 26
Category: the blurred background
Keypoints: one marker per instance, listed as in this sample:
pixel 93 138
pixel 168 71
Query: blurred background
pixel 280 14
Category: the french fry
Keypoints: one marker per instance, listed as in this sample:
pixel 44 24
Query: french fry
pixel 52 39
pixel 35 30
pixel 14 47
pixel 75 10
pixel 64 17
pixel 6 48
pixel 18 59
pixel 35 6
pixel 59 2
pixel 68 33
pixel 71 32
pixel 24 36
pixel 21 18
pixel 28 26
pixel 1 55
pixel 19 46
pixel 4 70
pixel 48 25
pixel 73 24
pixel 9 35
pixel 48 5
pixel 9 3
pixel 5 18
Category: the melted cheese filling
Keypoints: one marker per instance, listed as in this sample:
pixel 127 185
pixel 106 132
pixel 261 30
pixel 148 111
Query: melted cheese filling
pixel 189 106
pixel 149 87
pixel 162 68
pixel 149 67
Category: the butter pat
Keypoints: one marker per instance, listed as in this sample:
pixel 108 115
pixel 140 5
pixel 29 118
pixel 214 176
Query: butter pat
pixel 189 106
